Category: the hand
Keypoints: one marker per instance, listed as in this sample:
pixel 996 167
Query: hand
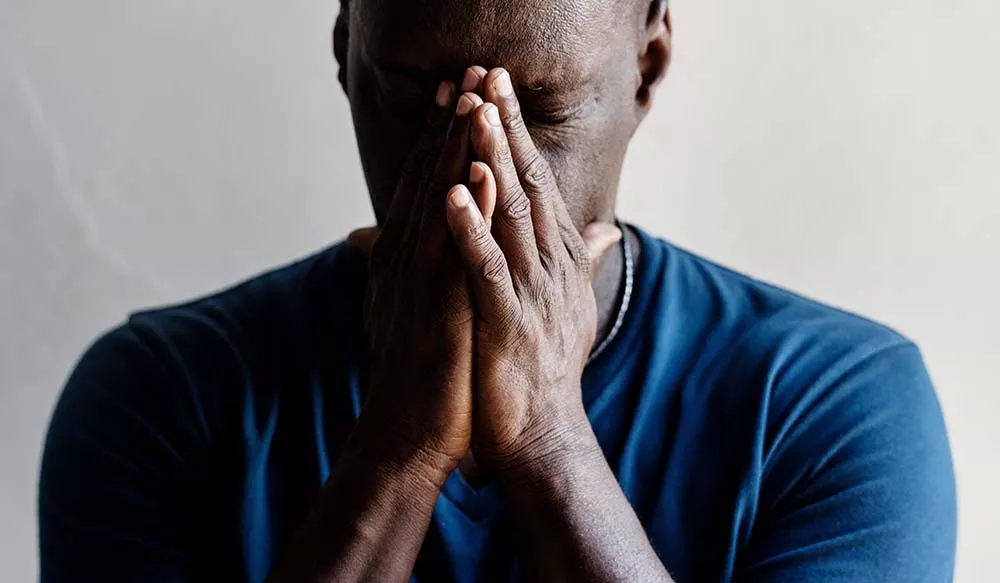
pixel 535 313
pixel 364 238
pixel 418 312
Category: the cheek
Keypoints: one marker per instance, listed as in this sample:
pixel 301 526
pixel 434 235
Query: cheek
pixel 575 176
pixel 585 162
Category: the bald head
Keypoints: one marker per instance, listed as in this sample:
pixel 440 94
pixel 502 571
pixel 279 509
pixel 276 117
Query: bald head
pixel 583 69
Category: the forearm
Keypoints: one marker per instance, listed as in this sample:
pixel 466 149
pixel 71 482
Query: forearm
pixel 577 523
pixel 370 519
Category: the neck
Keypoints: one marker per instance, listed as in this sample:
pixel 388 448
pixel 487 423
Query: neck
pixel 608 283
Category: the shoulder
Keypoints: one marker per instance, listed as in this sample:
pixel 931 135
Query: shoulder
pixel 798 341
pixel 784 341
pixel 281 298
pixel 145 427
pixel 171 365
pixel 851 466
pixel 807 359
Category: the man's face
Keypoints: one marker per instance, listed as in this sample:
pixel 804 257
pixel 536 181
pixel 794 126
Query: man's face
pixel 573 62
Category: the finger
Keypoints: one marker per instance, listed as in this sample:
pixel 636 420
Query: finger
pixel 512 218
pixel 409 182
pixel 440 117
pixel 484 262
pixel 473 80
pixel 533 171
pixel 443 100
pixel 457 300
pixel 598 238
pixel 364 239
pixel 398 233
pixel 484 190
pixel 449 170
pixel 414 174
pixel 437 119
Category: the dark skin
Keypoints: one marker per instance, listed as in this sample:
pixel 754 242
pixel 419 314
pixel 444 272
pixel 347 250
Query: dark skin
pixel 485 294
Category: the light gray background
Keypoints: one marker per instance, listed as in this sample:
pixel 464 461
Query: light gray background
pixel 154 150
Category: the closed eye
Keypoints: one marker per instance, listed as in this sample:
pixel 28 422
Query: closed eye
pixel 548 115
pixel 402 107
pixel 403 97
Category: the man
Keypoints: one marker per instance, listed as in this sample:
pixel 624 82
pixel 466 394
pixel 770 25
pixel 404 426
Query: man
pixel 497 382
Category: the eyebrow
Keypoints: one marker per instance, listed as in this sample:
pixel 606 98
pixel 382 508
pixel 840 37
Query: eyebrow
pixel 398 70
pixel 535 92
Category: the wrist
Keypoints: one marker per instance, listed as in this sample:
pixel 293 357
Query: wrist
pixel 564 438
pixel 392 453
pixel 554 473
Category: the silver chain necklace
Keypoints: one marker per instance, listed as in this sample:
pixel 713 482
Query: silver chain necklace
pixel 626 296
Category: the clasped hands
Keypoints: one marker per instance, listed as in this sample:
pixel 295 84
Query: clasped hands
pixel 479 311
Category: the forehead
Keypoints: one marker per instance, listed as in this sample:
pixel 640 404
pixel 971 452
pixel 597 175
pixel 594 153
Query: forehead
pixel 541 41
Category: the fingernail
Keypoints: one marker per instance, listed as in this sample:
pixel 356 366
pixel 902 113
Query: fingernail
pixel 492 115
pixel 465 105
pixel 502 84
pixel 460 197
pixel 470 80
pixel 476 173
pixel 444 93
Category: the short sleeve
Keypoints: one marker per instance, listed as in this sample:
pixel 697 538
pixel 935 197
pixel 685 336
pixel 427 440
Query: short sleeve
pixel 858 482
pixel 116 493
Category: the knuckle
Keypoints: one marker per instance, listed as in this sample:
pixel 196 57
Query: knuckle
pixel 537 176
pixel 545 299
pixel 493 267
pixel 517 207
pixel 514 123
pixel 536 285
pixel 511 111
pixel 478 235
pixel 549 260
pixel 518 130
pixel 501 152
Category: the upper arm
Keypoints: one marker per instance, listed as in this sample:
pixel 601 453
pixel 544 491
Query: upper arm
pixel 858 485
pixel 116 490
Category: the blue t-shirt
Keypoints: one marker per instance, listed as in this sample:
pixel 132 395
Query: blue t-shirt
pixel 758 435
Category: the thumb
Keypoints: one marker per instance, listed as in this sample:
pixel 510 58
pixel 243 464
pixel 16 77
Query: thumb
pixel 364 239
pixel 599 237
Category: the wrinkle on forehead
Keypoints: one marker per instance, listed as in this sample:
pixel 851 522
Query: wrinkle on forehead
pixel 539 41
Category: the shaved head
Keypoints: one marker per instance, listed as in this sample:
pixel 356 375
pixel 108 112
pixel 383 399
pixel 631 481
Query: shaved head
pixel 509 32
pixel 577 66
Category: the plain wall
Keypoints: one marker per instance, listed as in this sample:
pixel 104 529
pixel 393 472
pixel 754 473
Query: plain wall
pixel 152 151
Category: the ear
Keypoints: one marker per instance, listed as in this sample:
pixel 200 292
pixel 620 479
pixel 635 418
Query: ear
pixel 341 36
pixel 654 53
